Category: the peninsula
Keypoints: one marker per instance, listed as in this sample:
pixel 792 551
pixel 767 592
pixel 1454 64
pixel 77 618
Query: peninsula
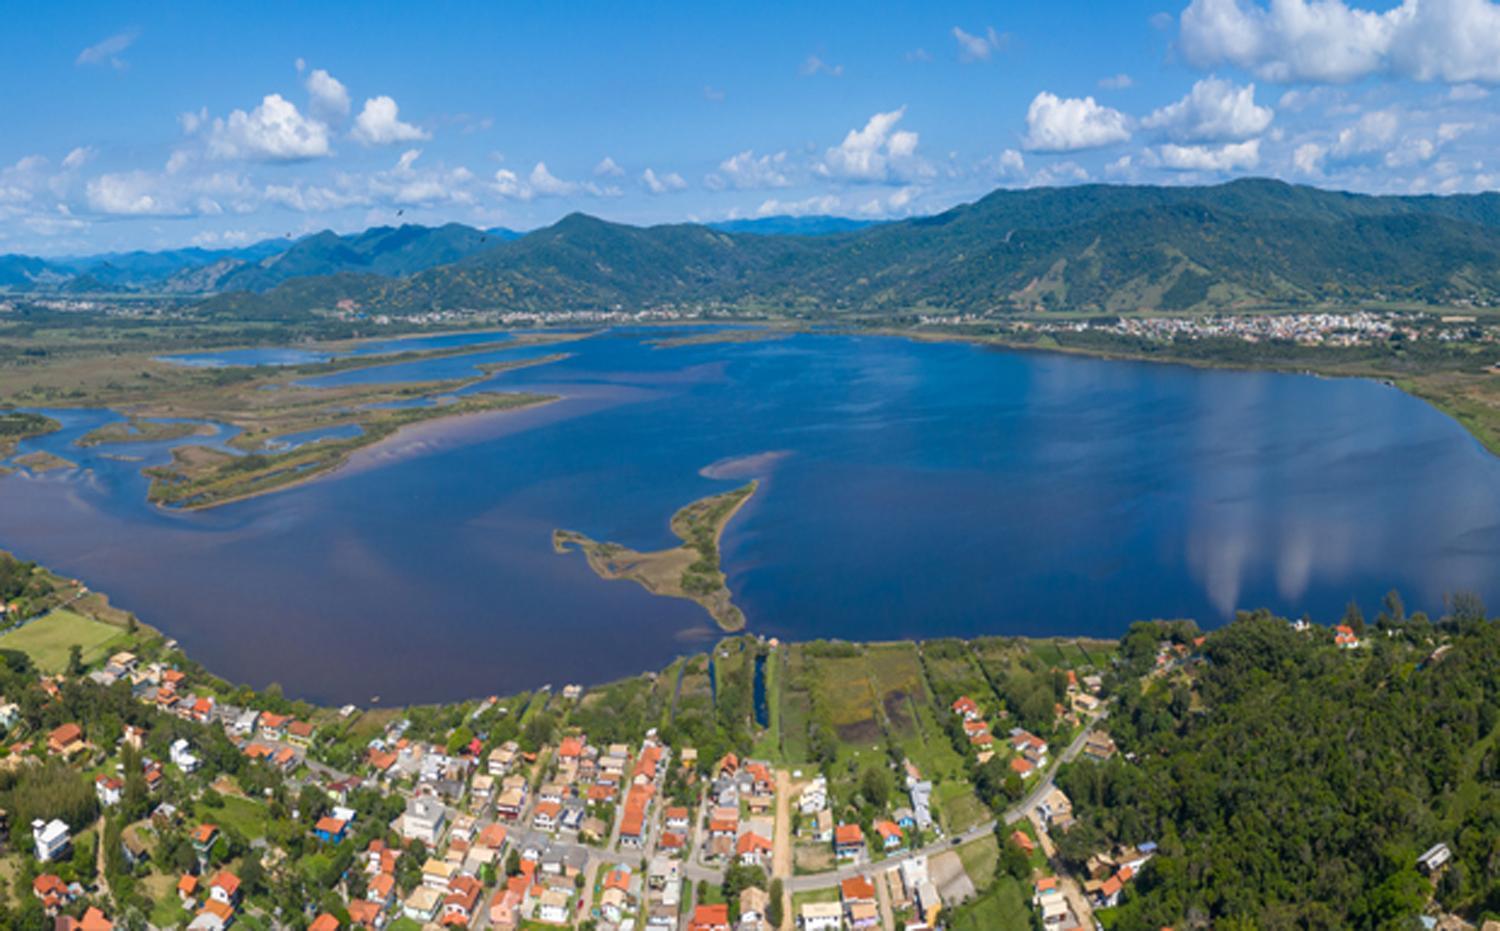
pixel 690 571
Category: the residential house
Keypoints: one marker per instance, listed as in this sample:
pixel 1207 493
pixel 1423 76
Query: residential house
pixel 752 849
pixel 50 839
pixel 857 896
pixel 423 820
pixel 891 837
pixel 108 789
pixel 821 916
pixel 848 841
pixel 753 905
pixel 331 830
pixel 65 740
pixel 462 902
pixel 710 918
pixel 553 907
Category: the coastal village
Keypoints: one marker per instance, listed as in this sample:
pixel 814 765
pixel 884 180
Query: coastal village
pixel 145 793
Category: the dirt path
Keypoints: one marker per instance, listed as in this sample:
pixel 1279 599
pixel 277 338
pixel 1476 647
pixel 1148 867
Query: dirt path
pixel 781 844
pixel 883 899
pixel 99 857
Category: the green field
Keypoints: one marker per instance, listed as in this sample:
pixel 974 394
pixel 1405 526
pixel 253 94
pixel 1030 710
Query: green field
pixel 48 640
pixel 1003 906
pixel 979 859
pixel 957 806
pixel 248 818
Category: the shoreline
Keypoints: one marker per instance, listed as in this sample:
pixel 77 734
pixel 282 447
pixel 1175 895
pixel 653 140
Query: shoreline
pixel 685 571
pixel 344 461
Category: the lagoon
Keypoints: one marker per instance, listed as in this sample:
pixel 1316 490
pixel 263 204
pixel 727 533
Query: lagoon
pixel 907 489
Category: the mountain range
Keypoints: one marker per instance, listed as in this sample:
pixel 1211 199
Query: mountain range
pixel 1091 248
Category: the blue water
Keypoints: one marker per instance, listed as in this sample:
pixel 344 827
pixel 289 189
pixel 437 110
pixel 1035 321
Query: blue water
pixel 908 489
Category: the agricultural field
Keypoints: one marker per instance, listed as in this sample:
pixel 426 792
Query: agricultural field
pixel 910 714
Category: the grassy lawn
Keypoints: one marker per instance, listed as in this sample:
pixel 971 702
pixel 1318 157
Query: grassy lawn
pixel 796 705
pixel 48 640
pixel 979 859
pixel 799 899
pixel 1003 906
pixel 247 817
pixel 958 806
pixel 403 924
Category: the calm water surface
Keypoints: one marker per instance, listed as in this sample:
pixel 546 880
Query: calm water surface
pixel 914 490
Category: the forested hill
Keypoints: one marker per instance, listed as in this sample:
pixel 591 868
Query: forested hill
pixel 1091 248
pixel 1293 785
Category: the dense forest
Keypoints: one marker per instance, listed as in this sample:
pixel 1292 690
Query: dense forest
pixel 1292 785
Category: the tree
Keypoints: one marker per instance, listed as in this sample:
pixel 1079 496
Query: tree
pixel 1354 618
pixel 774 908
pixel 875 786
pixel 75 660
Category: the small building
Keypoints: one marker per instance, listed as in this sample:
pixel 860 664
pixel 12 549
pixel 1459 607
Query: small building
pixel 51 839
pixel 848 841
pixel 821 916
pixel 1436 857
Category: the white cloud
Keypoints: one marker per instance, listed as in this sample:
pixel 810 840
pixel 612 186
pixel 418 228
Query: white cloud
pixel 1116 82
pixel 1411 150
pixel 746 170
pixel 275 130
pixel 1065 172
pixel 815 65
pixel 328 98
pixel 1234 156
pixel 1308 158
pixel 379 123
pixel 662 184
pixel 819 204
pixel 1463 93
pixel 1215 110
pixel 1011 163
pixel 1330 41
pixel 108 51
pixel 78 157
pixel 1055 124
pixel 541 182
pixel 977 47
pixel 546 184
pixel 607 168
pixel 141 193
pixel 877 152
pixel 1373 132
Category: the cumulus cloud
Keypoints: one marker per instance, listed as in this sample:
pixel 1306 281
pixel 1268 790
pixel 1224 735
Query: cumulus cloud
pixel 977 47
pixel 877 152
pixel 607 168
pixel 662 183
pixel 379 123
pixel 1308 158
pixel 541 182
pixel 146 194
pixel 328 99
pixel 1057 124
pixel 1116 82
pixel 108 51
pixel 746 170
pixel 1373 132
pixel 1011 162
pixel 275 130
pixel 1331 41
pixel 1214 110
pixel 1234 156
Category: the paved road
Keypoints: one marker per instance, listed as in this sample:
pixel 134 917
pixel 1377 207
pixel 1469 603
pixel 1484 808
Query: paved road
pixel 1012 814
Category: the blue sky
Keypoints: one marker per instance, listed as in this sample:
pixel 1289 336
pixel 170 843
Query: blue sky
pixel 160 125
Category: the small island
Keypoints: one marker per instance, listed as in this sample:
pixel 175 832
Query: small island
pixel 688 571
pixel 140 430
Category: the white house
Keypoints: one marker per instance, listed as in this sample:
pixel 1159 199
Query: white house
pixel 822 916
pixel 51 837
pixel 423 820
pixel 182 756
